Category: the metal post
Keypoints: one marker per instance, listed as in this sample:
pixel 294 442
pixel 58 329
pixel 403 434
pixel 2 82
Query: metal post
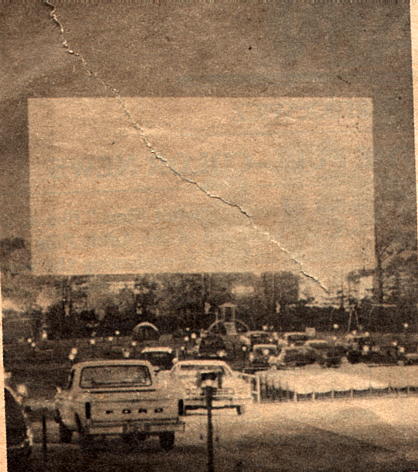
pixel 209 396
pixel 258 388
pixel 44 440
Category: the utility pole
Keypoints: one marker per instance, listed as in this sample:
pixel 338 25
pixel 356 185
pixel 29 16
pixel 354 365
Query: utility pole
pixel 208 383
pixel 209 397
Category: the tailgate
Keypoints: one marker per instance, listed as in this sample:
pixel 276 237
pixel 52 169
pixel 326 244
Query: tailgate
pixel 131 406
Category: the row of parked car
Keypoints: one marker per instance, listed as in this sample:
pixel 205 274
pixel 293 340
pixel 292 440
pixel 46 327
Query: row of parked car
pixel 264 350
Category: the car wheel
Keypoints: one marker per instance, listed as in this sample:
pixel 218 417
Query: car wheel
pixel 167 441
pixel 65 434
pixel 85 439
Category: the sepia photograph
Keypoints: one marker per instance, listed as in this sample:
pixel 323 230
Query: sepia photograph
pixel 208 246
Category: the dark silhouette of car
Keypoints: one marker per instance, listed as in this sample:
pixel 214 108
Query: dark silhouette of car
pixel 211 347
pixel 292 356
pixel 325 353
pixel 18 433
pixel 294 338
pixel 260 355
pixel 160 357
pixel 252 338
pixel 370 351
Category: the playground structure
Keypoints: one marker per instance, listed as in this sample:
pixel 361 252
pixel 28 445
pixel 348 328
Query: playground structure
pixel 226 321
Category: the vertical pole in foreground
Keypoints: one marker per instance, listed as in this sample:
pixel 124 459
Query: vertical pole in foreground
pixel 209 394
pixel 44 440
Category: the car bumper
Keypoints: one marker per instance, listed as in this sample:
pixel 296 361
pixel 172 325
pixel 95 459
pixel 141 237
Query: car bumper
pixel 217 402
pixel 146 427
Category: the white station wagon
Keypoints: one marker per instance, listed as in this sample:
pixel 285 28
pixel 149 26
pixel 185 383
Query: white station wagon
pixel 232 391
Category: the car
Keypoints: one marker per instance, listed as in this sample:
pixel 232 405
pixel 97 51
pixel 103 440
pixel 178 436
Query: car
pixel 250 338
pixel 409 356
pixel 19 436
pixel 116 398
pixel 260 355
pixel 292 356
pixel 357 341
pixel 294 338
pixel 161 357
pixel 232 390
pixel 371 352
pixel 326 354
pixel 211 347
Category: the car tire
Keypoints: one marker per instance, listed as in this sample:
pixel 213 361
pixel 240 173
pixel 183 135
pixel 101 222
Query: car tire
pixel 85 440
pixel 65 434
pixel 167 440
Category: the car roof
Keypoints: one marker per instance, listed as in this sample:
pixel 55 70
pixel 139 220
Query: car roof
pixel 201 362
pixel 157 349
pixel 110 362
pixel 265 346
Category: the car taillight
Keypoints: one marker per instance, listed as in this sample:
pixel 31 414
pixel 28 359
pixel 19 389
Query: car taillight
pixel 87 407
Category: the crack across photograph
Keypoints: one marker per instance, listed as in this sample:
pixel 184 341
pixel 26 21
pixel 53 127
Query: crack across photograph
pixel 208 249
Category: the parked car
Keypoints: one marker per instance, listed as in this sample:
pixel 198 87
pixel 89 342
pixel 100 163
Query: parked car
pixel 294 338
pixel 260 355
pixel 19 437
pixel 232 390
pixel 211 347
pixel 117 397
pixel 250 338
pixel 408 355
pixel 292 356
pixel 376 353
pixel 161 357
pixel 357 341
pixel 326 354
